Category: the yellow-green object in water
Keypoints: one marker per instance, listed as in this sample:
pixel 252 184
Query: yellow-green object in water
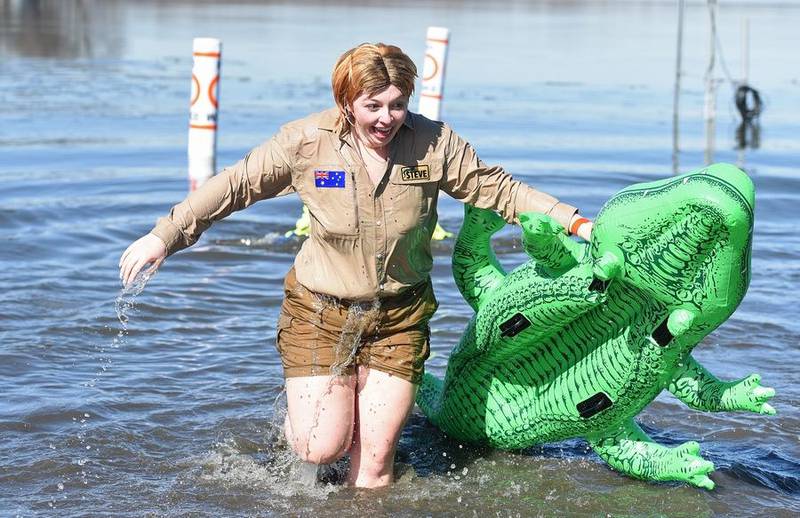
pixel 440 234
pixel 303 226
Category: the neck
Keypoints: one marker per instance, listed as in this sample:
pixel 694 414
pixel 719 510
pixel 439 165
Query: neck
pixel 381 153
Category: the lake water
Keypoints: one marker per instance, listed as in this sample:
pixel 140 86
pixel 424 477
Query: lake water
pixel 168 402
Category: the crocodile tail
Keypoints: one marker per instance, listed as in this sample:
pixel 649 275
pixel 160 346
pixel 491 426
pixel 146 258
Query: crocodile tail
pixel 475 268
pixel 429 396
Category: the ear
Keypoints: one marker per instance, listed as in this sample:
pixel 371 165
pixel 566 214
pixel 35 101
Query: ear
pixel 348 114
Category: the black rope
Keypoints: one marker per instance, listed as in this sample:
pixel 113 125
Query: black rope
pixel 748 102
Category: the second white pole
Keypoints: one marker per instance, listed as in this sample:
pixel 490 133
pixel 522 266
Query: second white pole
pixel 203 110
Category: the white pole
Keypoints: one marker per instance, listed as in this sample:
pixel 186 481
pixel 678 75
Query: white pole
pixel 430 98
pixel 710 112
pixel 677 95
pixel 740 156
pixel 745 49
pixel 203 111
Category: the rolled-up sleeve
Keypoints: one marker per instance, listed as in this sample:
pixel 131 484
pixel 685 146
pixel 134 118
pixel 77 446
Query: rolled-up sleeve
pixel 467 179
pixel 265 172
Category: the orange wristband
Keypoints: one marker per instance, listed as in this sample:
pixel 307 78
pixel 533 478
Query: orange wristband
pixel 575 226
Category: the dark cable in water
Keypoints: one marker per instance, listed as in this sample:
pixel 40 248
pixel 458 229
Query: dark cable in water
pixel 748 112
pixel 748 133
pixel 748 102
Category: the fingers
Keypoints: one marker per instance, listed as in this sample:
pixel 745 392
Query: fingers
pixel 154 266
pixel 127 269
pixel 124 256
pixel 689 448
pixel 137 268
pixel 145 250
pixel 763 393
pixel 702 481
pixel 700 477
pixel 767 409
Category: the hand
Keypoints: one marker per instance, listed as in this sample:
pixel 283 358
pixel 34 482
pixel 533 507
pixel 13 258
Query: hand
pixel 148 249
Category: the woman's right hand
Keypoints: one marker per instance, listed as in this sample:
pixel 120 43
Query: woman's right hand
pixel 148 249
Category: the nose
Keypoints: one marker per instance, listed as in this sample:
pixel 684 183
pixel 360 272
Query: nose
pixel 385 116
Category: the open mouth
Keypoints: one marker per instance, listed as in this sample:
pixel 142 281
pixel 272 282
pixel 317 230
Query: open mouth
pixel 381 133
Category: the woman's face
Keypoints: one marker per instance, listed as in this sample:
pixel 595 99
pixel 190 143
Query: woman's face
pixel 379 116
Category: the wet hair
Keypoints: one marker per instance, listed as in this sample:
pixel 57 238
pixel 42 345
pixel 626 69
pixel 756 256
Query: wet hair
pixel 369 68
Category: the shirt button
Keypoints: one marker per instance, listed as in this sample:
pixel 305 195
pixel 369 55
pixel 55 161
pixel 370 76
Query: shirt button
pixel 378 223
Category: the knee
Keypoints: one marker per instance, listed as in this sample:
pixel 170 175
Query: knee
pixel 321 452
pixel 319 447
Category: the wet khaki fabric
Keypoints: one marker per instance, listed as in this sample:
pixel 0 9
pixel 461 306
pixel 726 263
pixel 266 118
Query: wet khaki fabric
pixel 319 335
pixel 366 241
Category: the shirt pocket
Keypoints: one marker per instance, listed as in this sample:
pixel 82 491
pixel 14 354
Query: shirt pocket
pixel 412 193
pixel 331 199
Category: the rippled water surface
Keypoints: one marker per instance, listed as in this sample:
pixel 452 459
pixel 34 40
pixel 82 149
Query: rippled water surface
pixel 166 400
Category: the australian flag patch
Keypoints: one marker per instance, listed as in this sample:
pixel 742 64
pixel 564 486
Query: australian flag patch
pixel 324 178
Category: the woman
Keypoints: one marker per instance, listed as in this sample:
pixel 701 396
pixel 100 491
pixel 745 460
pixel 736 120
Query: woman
pixel 353 328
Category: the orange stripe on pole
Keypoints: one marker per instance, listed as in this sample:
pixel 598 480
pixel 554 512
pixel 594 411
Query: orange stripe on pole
pixel 211 96
pixel 436 40
pixel 203 126
pixel 434 96
pixel 207 54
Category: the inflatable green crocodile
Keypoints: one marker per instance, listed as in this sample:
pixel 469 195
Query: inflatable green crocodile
pixel 578 340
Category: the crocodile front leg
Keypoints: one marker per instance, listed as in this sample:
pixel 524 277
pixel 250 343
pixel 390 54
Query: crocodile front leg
pixel 701 390
pixel 475 268
pixel 632 452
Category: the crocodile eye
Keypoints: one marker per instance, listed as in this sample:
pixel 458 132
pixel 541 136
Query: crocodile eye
pixel 662 335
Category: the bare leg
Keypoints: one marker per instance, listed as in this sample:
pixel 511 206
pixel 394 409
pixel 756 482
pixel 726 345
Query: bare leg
pixel 383 404
pixel 320 417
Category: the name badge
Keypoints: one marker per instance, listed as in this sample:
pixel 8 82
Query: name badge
pixel 415 174
pixel 326 179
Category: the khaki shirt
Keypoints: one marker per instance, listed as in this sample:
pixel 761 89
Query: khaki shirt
pixel 365 241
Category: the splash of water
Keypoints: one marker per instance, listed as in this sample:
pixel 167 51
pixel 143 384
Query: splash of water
pixel 125 302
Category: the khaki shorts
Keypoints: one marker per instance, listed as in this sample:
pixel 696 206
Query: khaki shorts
pixel 321 335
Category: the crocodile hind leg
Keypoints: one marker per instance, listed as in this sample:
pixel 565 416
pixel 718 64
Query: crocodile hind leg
pixel 475 267
pixel 632 452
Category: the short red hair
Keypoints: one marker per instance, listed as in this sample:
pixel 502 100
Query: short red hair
pixel 370 68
